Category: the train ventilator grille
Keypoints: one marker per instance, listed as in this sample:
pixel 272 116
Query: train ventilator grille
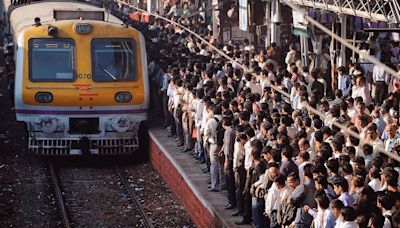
pixel 72 146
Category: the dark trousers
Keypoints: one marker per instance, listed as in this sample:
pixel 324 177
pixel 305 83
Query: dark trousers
pixel 381 91
pixel 178 122
pixel 257 207
pixel 230 185
pixel 166 114
pixel 240 179
pixel 247 212
pixel 207 154
pixel 172 121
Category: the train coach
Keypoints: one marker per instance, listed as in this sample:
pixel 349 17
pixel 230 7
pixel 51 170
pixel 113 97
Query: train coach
pixel 81 82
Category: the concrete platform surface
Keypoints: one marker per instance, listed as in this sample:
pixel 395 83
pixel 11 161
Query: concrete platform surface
pixel 193 176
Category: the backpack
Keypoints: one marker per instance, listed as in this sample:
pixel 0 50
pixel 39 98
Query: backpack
pixel 219 133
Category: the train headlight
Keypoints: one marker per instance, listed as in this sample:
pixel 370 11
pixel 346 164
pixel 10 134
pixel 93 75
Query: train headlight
pixel 123 97
pixel 44 97
pixel 121 123
pixel 48 124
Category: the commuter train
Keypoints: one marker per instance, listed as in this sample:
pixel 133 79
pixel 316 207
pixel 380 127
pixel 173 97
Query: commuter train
pixel 81 81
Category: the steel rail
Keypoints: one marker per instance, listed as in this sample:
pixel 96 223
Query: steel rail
pixel 124 180
pixel 60 199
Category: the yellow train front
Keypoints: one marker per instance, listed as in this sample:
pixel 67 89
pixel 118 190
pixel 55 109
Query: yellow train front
pixel 81 82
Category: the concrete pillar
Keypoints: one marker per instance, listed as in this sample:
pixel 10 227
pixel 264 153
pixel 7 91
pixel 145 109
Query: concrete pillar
pixel 273 25
pixel 343 31
pixel 152 5
pixel 268 24
pixel 304 50
pixel 215 19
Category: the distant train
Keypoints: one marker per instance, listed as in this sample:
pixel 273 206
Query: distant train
pixel 81 81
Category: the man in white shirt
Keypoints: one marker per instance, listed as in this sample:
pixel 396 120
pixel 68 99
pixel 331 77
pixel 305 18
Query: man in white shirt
pixel 385 202
pixel 347 215
pixel 211 138
pixel 290 56
pixel 336 206
pixel 374 182
pixel 303 160
pixel 381 80
pixel 372 137
pixel 198 118
pixel 239 171
pixel 277 195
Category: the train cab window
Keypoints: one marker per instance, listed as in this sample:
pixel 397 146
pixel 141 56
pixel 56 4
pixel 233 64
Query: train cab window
pixel 51 60
pixel 114 60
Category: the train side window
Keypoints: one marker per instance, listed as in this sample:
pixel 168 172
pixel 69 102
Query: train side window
pixel 114 60
pixel 51 60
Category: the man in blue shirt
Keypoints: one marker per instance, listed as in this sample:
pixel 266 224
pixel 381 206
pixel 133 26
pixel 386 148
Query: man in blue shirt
pixel 344 81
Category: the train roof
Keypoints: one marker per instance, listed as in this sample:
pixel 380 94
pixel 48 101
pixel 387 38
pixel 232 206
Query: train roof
pixel 23 16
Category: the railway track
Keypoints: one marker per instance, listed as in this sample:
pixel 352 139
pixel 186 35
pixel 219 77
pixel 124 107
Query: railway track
pixel 59 196
pixel 76 197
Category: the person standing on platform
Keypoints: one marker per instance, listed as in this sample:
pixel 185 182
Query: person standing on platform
pixel 227 150
pixel 381 80
pixel 211 136
pixel 238 168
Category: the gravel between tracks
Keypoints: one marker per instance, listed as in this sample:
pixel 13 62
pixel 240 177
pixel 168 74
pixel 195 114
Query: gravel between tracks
pixel 26 192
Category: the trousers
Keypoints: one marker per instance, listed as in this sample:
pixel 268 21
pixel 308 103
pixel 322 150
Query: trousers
pixel 214 166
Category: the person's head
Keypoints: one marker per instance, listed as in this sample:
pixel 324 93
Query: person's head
pixel 280 181
pixel 385 200
pixel 242 138
pixel 333 166
pixel 273 170
pixel 346 169
pixel 377 220
pixel 340 186
pixel 319 170
pixel 322 200
pixel 348 214
pixel 287 152
pixel 255 154
pixel 360 81
pixel 321 182
pixel 359 163
pixel 304 145
pixel 374 173
pixel 336 206
pixel 390 130
pixel 293 180
pixel 367 149
pixel 396 214
pixel 371 133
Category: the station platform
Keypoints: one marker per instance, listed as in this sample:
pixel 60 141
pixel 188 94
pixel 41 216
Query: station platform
pixel 187 181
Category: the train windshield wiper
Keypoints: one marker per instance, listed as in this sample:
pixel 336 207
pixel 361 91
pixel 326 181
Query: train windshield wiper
pixel 108 73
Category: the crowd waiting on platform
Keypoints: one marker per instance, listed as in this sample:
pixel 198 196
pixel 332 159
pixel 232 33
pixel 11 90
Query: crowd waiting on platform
pixel 281 164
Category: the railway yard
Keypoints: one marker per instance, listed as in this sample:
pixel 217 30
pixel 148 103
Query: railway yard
pixel 94 192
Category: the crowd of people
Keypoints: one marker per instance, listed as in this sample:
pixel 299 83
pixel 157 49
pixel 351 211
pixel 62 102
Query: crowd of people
pixel 281 164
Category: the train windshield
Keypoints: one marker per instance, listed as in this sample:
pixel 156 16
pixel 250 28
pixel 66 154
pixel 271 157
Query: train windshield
pixel 51 60
pixel 114 60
